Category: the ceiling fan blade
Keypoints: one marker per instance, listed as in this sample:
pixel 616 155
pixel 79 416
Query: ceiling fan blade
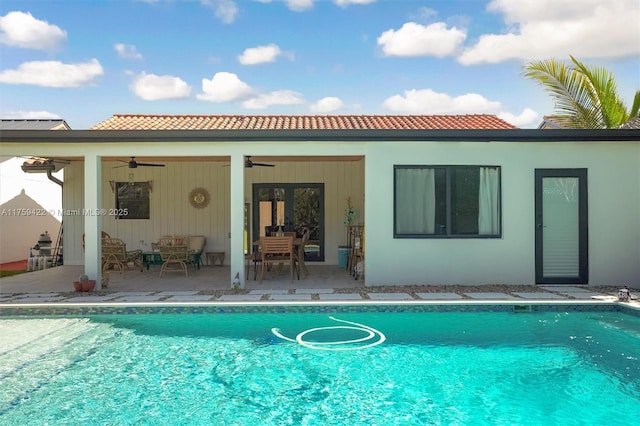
pixel 150 165
pixel 263 164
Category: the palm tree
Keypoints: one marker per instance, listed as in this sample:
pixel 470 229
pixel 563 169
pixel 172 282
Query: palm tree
pixel 585 97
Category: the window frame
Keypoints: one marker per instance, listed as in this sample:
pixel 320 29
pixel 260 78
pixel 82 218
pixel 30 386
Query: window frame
pixel 448 212
pixel 123 211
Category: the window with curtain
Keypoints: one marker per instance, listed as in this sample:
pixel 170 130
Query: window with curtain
pixel 446 201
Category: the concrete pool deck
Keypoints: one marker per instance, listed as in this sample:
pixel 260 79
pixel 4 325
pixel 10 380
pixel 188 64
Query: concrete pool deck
pixel 324 284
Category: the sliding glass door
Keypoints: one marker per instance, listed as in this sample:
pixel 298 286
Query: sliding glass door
pixel 294 207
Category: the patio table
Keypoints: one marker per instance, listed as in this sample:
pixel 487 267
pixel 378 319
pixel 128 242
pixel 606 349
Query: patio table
pixel 154 258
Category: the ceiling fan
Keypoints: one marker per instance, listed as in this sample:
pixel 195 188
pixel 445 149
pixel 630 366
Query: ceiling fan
pixel 249 164
pixel 133 164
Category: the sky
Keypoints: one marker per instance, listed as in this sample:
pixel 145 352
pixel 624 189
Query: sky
pixel 84 61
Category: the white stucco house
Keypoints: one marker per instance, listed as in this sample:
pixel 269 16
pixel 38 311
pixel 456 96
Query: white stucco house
pixel 443 199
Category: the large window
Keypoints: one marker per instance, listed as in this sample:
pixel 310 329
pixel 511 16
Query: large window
pixel 446 201
pixel 132 200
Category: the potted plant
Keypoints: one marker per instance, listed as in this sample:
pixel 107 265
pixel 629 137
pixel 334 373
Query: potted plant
pixel 84 283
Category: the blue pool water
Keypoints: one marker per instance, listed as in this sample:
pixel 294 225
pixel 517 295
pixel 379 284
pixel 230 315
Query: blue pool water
pixel 248 369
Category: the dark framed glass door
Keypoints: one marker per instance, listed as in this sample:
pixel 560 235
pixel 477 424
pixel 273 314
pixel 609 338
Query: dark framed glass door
pixel 561 226
pixel 294 207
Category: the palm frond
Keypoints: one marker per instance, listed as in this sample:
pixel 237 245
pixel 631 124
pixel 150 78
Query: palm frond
pixel 569 88
pixel 608 106
pixel 635 107
pixel 587 96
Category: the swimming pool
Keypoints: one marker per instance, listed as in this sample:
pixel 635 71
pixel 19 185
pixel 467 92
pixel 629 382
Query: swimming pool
pixel 393 367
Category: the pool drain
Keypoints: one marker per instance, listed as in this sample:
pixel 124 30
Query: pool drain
pixel 372 338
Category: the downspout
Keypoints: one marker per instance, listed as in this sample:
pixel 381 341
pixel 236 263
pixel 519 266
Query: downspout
pixel 52 178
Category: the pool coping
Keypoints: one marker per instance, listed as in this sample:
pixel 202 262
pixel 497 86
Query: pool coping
pixel 516 306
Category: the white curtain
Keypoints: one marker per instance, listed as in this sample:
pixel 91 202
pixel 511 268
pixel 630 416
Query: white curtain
pixel 415 201
pixel 489 202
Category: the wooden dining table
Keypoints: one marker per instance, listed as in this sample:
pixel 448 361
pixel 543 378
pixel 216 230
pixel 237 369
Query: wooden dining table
pixel 297 245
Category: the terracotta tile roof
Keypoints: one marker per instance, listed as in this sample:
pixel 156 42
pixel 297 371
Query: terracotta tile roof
pixel 301 122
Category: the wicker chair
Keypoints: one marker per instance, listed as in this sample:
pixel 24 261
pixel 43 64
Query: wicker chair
pixel 175 255
pixel 115 255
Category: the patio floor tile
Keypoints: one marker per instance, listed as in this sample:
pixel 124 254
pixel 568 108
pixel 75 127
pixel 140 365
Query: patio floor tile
pixel 267 291
pixel 340 296
pixel 240 297
pixel 439 296
pixel 490 295
pixel 36 299
pixel 89 299
pixel 290 297
pixel 40 295
pixel 132 293
pixel 314 290
pixel 390 296
pixel 136 298
pixel 190 298
pixel 178 293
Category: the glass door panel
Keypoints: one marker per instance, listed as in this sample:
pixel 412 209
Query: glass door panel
pixel 271 210
pixel 295 207
pixel 306 215
pixel 560 242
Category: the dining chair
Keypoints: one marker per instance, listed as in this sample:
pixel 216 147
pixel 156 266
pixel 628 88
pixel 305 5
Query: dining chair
pixel 277 250
pixel 253 259
pixel 299 253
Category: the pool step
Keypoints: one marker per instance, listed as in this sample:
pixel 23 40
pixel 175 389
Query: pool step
pixel 44 349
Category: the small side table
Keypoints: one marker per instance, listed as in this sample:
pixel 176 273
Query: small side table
pixel 215 256
pixel 196 260
pixel 151 258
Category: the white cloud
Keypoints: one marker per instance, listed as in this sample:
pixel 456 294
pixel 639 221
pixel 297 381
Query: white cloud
pixel 299 5
pixel 28 115
pixel 279 97
pixel 53 74
pixel 127 51
pixel 224 87
pixel 547 28
pixel 419 40
pixel 225 10
pixel 427 101
pixel 151 87
pixel 327 104
pixel 345 3
pixel 528 118
pixel 260 54
pixel 21 29
pixel 303 5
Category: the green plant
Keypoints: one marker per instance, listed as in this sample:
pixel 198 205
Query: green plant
pixel 585 97
pixel 349 213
